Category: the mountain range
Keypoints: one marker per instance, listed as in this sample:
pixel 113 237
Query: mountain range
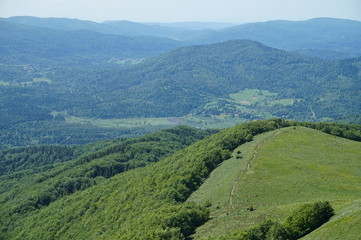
pixel 59 72
pixel 34 45
pixel 84 153
pixel 321 37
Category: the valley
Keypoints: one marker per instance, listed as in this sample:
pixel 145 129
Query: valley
pixel 184 130
pixel 221 85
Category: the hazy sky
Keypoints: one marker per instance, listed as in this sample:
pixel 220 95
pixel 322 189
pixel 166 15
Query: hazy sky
pixel 237 11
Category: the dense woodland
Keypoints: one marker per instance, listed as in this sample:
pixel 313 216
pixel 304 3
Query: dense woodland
pixel 93 71
pixel 82 105
pixel 50 192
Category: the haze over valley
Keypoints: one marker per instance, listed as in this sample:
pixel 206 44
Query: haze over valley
pixel 226 123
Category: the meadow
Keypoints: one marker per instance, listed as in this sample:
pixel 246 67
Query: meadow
pixel 287 168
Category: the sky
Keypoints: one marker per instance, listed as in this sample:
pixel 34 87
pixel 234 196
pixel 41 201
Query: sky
pixel 234 11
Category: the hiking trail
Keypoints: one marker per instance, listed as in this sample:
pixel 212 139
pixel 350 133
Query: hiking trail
pixel 248 166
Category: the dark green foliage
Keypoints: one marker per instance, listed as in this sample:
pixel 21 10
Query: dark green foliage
pixel 278 231
pixel 92 196
pixel 43 182
pixel 143 203
pixel 18 159
pixel 262 231
pixel 186 217
pixel 268 230
pixel 349 131
pixel 299 223
pixel 308 217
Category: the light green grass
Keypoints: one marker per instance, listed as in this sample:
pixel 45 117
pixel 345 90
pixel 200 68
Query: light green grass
pixel 34 80
pixel 2 83
pixel 249 96
pixel 296 166
pixel 125 123
pixel 129 61
pixel 42 79
pixel 284 102
pixel 346 224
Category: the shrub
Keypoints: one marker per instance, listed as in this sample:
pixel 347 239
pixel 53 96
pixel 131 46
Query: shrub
pixel 308 217
pixel 302 221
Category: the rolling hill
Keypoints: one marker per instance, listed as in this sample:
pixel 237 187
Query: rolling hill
pixel 123 28
pixel 278 171
pixel 322 37
pixel 168 199
pixel 35 177
pixel 237 80
pixel 22 44
pixel 216 78
pixel 327 38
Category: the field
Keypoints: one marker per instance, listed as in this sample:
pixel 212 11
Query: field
pixel 127 122
pixel 250 96
pixel 286 168
pixel 243 106
pixel 27 83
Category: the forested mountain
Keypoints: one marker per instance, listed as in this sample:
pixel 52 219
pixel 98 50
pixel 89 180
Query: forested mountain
pixel 23 44
pixel 32 178
pixel 67 83
pixel 327 38
pixel 90 191
pixel 240 79
pixel 195 25
pixel 191 78
pixel 323 37
pixel 124 28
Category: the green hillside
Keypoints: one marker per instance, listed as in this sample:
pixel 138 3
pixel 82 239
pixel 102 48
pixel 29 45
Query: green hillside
pixel 59 77
pixel 277 172
pixel 284 84
pixel 345 225
pixel 218 86
pixel 174 85
pixel 34 177
pixel 91 197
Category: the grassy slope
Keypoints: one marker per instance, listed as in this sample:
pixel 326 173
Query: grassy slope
pixel 146 208
pixel 345 225
pixel 296 166
pixel 148 203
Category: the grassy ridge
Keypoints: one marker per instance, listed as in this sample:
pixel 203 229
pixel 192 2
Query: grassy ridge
pixel 144 203
pixel 150 202
pixel 296 166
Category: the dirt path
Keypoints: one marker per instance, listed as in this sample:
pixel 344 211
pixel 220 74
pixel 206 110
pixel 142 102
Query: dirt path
pixel 313 113
pixel 248 167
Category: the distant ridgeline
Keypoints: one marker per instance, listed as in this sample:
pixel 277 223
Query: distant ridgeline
pixel 81 72
pixel 135 188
